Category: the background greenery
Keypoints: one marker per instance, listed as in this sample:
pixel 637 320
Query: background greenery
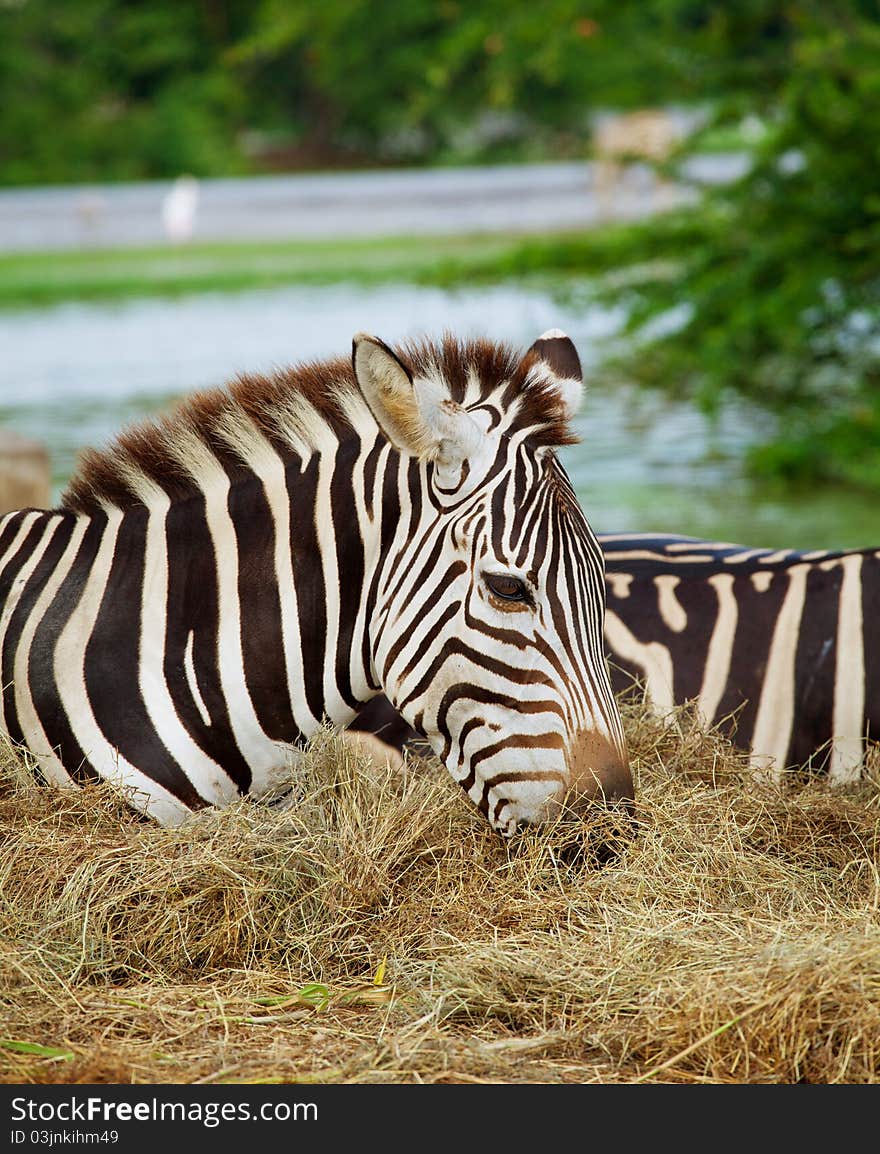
pixel 767 290
pixel 105 89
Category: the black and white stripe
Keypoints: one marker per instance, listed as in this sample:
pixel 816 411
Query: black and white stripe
pixel 778 648
pixel 217 583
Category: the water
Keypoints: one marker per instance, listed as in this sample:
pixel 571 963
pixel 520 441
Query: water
pixel 73 375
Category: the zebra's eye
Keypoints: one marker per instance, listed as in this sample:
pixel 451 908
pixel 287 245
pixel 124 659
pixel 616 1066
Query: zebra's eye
pixel 506 587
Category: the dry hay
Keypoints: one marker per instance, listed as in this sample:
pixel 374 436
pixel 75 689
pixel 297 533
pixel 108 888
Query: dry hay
pixel 380 932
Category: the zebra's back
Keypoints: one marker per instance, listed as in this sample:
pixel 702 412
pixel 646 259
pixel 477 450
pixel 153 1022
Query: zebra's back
pixel 776 647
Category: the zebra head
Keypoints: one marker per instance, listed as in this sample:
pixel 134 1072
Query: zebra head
pixel 487 631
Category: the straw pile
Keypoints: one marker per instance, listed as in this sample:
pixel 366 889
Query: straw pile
pixel 379 932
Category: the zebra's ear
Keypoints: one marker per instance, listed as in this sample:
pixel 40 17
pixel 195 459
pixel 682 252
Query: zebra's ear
pixel 417 416
pixel 559 367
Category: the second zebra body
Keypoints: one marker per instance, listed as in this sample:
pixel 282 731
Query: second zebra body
pixel 778 648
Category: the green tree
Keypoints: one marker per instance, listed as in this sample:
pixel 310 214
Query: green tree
pixel 104 89
pixel 775 281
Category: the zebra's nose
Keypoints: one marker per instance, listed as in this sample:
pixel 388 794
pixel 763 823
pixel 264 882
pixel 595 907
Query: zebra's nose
pixel 613 784
pixel 598 810
pixel 598 771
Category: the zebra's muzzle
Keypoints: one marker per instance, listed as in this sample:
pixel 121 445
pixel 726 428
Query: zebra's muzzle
pixel 598 772
pixel 599 809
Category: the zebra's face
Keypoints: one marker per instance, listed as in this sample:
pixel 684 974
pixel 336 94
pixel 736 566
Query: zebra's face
pixel 488 631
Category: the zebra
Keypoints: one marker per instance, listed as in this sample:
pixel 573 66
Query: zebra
pixel 777 649
pixel 274 553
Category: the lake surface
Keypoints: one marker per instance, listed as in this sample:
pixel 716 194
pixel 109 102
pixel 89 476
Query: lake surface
pixel 73 375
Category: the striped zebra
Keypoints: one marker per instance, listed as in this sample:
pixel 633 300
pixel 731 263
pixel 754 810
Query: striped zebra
pixel 778 649
pixel 220 581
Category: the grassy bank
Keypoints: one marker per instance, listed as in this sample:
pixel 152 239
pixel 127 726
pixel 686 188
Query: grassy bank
pixel 44 278
pixel 28 279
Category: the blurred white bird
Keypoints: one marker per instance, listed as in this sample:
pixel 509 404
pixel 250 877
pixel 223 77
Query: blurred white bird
pixel 179 209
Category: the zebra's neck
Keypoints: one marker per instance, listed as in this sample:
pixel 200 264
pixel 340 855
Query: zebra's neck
pixel 271 577
pixel 238 614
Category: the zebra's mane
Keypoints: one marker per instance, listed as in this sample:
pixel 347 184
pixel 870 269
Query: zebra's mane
pixel 292 412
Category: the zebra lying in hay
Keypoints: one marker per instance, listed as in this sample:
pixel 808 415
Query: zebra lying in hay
pixel 777 649
pixel 219 582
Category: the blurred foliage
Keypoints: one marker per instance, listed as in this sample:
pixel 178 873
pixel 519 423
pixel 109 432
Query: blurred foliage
pixel 108 89
pixel 115 89
pixel 768 290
